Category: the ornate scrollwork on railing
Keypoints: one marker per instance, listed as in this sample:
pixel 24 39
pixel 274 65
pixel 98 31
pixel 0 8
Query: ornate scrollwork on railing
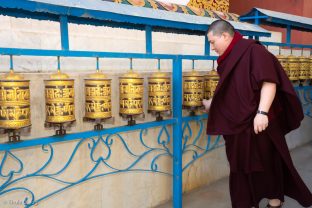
pixel 100 153
pixel 197 144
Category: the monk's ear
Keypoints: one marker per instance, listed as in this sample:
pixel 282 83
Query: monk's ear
pixel 226 36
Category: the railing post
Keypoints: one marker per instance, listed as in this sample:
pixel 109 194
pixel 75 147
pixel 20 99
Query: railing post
pixel 288 34
pixel 64 32
pixel 207 46
pixel 257 21
pixel 177 132
pixel 148 39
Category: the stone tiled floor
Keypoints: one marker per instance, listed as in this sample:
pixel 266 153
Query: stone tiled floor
pixel 216 195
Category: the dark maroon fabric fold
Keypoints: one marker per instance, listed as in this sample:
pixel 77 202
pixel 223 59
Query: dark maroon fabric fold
pixel 237 36
pixel 260 164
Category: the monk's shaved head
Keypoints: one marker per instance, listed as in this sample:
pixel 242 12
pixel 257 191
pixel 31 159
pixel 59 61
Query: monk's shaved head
pixel 220 34
pixel 220 26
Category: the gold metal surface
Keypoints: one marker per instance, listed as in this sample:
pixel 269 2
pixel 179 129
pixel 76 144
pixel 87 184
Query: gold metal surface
pixel 159 92
pixel 293 68
pixel 98 102
pixel 210 83
pixel 60 98
pixel 14 101
pixel 304 68
pixel 131 94
pixel 193 89
pixel 283 61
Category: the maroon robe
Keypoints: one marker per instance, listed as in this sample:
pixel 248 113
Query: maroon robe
pixel 260 164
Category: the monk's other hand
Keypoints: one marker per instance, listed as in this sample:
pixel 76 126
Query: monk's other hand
pixel 261 122
pixel 206 104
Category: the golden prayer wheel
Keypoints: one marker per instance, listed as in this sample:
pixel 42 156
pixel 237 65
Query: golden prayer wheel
pixel 193 89
pixel 293 68
pixel 98 103
pixel 159 92
pixel 283 61
pixel 211 82
pixel 60 97
pixel 14 102
pixel 131 94
pixel 304 68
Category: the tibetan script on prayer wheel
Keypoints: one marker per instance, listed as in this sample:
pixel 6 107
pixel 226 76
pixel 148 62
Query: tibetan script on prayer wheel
pixel 283 61
pixel 159 92
pixel 193 89
pixel 60 97
pixel 211 82
pixel 304 68
pixel 98 103
pixel 131 94
pixel 14 102
pixel 293 68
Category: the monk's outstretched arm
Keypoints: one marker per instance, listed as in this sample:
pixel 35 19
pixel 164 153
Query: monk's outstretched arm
pixel 268 91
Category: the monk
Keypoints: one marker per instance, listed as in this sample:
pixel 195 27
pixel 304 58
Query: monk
pixel 254 107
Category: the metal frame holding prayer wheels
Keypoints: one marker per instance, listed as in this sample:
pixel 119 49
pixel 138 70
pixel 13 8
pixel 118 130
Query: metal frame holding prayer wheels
pixel 124 17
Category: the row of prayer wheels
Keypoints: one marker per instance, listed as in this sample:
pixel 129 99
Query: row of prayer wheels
pixel 197 87
pixel 60 96
pixel 297 68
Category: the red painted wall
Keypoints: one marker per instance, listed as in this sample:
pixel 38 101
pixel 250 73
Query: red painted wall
pixel 296 7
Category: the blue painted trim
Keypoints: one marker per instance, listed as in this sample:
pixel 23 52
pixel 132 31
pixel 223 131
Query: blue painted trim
pixel 131 63
pixel 58 63
pixel 87 134
pixel 207 46
pixel 80 15
pixel 11 62
pixel 97 63
pixel 13 175
pixel 191 57
pixel 288 34
pixel 286 45
pixel 158 64
pixel 64 53
pixel 245 33
pixel 64 32
pixel 194 118
pixel 257 17
pixel 177 132
pixel 253 17
pixel 273 21
pixel 148 39
pixel 285 23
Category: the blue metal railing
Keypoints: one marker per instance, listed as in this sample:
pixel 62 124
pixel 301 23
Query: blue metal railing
pixel 183 142
pixel 104 139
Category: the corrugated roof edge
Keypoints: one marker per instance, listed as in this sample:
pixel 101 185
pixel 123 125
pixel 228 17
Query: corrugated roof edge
pixel 94 11
pixel 279 19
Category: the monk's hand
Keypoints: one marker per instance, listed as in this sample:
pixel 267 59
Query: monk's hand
pixel 206 104
pixel 261 122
